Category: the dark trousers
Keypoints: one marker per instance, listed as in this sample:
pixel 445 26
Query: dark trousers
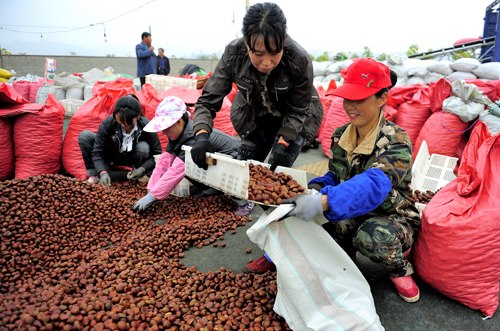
pixel 137 156
pixel 143 80
pixel 259 142
pixel 163 72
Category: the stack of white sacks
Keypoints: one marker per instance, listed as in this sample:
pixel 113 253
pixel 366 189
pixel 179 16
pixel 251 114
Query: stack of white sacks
pixel 415 71
pixel 72 91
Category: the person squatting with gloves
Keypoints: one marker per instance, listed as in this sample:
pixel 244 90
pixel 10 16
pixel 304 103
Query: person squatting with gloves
pixel 276 107
pixel 120 141
pixel 172 119
pixel 365 193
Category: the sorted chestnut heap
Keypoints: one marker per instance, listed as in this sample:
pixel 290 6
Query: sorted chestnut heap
pixel 58 270
pixel 271 188
pixel 422 197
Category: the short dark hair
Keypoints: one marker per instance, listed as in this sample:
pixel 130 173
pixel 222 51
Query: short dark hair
pixel 161 49
pixel 394 80
pixel 266 20
pixel 128 107
pixel 145 35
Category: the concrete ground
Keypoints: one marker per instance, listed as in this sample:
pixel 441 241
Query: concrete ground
pixel 433 311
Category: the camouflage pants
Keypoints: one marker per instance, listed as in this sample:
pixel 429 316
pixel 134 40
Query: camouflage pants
pixel 382 239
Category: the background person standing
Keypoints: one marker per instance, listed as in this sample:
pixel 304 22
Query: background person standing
pixel 146 58
pixel 163 63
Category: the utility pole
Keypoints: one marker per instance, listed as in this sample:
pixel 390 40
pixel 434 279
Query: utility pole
pixel 1 58
pixel 247 4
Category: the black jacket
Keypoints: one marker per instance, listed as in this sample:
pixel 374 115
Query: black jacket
pixel 290 87
pixel 109 139
pixel 222 142
pixel 167 64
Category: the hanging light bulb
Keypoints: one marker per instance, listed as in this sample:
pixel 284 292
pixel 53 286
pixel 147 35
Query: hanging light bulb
pixel 105 39
pixel 41 36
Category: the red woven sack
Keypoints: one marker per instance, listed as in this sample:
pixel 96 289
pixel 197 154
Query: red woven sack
pixel 231 94
pixel 23 88
pixel 442 132
pixel 412 115
pixel 222 120
pixel 189 96
pixel 326 102
pixel 38 140
pixel 336 117
pixel 34 86
pixel 401 94
pixel 150 99
pixel 439 91
pixel 458 247
pixel 6 149
pixel 9 95
pixel 87 117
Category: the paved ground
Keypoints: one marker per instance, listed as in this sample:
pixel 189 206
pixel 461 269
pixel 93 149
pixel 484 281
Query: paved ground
pixel 433 311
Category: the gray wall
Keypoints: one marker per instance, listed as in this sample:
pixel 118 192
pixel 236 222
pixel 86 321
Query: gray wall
pixel 35 64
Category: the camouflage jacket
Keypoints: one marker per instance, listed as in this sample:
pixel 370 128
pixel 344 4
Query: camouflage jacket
pixel 392 154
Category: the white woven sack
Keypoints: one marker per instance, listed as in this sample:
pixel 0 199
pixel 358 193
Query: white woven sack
pixel 58 91
pixel 319 78
pixel 42 94
pixel 465 64
pixel 344 64
pixel 320 67
pixel 488 70
pixel 492 122
pixel 432 77
pixel 395 59
pixel 466 111
pixel 441 67
pixel 333 68
pixel 458 75
pixel 87 93
pixel 415 80
pixel 420 68
pixel 328 78
pixel 319 286
pixel 74 93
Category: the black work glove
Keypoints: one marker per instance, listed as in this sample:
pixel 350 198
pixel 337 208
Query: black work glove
pixel 315 186
pixel 202 146
pixel 105 179
pixel 277 156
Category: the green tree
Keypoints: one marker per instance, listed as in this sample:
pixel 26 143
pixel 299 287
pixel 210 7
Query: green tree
pixel 367 52
pixel 382 57
pixel 354 56
pixel 21 53
pixel 73 54
pixel 5 52
pixel 413 49
pixel 464 54
pixel 324 57
pixel 311 56
pixel 110 55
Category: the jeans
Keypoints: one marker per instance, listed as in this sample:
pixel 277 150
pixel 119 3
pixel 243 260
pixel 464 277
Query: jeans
pixel 137 156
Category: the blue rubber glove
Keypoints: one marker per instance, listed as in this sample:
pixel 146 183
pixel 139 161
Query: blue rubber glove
pixel 306 206
pixel 199 150
pixel 144 203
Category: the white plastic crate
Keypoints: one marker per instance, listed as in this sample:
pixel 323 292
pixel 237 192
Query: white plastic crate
pixel 162 83
pixel 232 176
pixel 182 189
pixel 71 106
pixel 431 172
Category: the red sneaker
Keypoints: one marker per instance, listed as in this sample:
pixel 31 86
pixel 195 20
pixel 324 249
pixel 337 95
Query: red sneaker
pixel 259 266
pixel 407 288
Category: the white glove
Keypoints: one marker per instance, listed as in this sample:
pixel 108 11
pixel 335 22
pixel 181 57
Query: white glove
pixel 144 203
pixel 306 206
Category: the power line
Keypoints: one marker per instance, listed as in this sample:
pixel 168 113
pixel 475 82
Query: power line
pixel 73 29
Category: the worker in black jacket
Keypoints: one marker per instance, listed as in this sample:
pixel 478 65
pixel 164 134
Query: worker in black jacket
pixel 277 107
pixel 120 140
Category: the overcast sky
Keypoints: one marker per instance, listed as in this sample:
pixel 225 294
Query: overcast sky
pixel 190 27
